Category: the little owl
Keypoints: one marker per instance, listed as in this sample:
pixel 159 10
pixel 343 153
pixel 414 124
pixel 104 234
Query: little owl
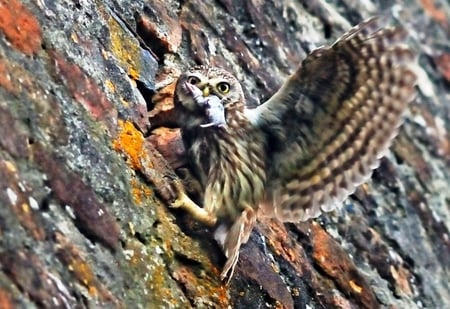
pixel 304 150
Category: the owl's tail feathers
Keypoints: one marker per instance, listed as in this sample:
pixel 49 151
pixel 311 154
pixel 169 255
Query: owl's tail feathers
pixel 232 237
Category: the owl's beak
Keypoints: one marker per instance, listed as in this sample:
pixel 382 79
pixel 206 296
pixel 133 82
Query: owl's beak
pixel 206 91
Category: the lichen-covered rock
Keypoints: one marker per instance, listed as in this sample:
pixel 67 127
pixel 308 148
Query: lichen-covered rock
pixel 84 190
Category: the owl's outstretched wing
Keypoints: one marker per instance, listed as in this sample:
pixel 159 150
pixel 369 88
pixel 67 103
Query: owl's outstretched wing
pixel 334 118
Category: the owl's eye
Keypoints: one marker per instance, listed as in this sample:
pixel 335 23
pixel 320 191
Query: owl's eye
pixel 193 80
pixel 223 87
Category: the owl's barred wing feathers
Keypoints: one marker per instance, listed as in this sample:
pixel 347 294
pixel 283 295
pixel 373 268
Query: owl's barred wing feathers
pixel 334 118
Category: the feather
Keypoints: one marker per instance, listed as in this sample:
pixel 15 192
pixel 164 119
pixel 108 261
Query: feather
pixel 341 108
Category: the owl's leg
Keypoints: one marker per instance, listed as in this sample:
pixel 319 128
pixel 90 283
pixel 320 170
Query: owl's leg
pixel 232 238
pixel 183 201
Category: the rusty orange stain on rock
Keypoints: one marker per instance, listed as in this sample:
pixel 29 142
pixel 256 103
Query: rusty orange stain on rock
pixel 333 260
pixel 6 80
pixel 435 12
pixel 19 195
pixel 327 253
pixel 71 256
pixel 16 79
pixel 194 284
pixel 85 91
pixel 279 305
pixel 5 300
pixel 29 273
pixel 169 143
pixel 163 112
pixel 15 141
pixel 93 217
pixel 295 291
pixel 163 99
pixel 20 27
pixel 162 27
pixel 443 64
pixel 403 280
pixel 278 239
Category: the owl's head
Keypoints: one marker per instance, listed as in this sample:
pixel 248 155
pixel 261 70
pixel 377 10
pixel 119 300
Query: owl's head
pixel 200 83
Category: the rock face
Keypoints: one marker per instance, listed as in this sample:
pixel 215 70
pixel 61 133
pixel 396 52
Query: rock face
pixel 84 191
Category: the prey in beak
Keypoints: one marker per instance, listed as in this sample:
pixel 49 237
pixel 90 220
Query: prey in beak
pixel 212 104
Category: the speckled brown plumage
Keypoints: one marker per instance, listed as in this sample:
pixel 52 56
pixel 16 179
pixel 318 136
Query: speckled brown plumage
pixel 308 147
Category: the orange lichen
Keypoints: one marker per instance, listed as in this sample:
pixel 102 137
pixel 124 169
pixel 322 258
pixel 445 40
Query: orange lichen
pixel 274 244
pixel 25 208
pixel 223 296
pixel 127 51
pixel 110 85
pixel 140 192
pixel 84 274
pixel 157 282
pixel 355 287
pixel 130 142
pixel 133 73
pixel 124 102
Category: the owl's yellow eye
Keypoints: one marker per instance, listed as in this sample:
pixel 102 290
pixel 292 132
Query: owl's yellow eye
pixel 223 87
pixel 193 80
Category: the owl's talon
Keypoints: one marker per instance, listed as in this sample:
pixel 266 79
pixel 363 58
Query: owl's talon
pixel 176 204
pixel 198 213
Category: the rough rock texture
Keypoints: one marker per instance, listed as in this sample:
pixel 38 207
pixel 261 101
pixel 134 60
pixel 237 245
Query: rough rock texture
pixel 84 192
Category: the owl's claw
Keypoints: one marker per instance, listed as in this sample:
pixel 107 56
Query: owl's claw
pixel 183 201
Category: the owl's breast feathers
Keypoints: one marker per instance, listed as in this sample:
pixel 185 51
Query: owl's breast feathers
pixel 230 164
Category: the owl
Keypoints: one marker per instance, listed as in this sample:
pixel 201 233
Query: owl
pixel 304 150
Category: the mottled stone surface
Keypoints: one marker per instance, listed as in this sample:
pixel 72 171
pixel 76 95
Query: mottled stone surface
pixel 84 190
